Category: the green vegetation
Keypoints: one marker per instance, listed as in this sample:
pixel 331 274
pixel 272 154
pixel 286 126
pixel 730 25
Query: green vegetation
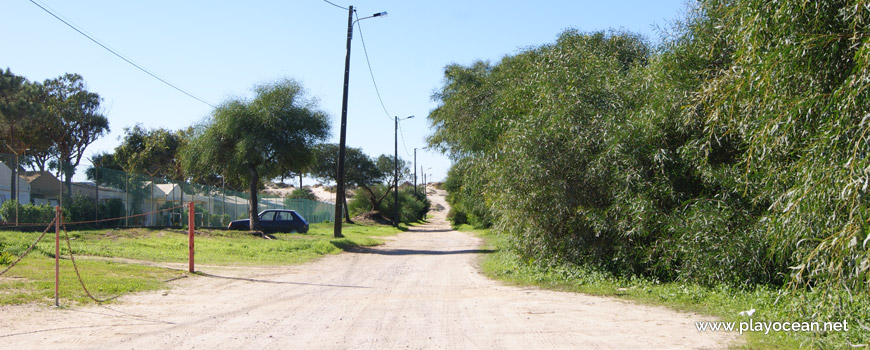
pixel 262 138
pixel 32 280
pixel 413 208
pixel 302 193
pixel 374 179
pixel 731 156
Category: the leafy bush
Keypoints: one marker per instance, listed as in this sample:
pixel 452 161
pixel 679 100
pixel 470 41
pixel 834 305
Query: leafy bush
pixel 413 206
pixel 735 154
pixel 28 213
pixel 302 193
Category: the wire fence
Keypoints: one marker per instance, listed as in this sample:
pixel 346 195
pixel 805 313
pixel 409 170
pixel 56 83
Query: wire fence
pixel 114 198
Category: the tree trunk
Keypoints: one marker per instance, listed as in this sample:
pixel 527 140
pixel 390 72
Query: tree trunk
pixel 253 212
pixel 67 181
pixel 376 204
pixel 346 212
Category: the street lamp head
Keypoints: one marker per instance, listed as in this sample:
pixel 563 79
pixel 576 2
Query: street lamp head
pixel 380 14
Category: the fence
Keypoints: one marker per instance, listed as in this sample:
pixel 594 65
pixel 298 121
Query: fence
pixel 115 193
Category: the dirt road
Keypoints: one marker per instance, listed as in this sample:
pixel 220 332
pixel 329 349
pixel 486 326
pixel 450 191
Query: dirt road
pixel 419 291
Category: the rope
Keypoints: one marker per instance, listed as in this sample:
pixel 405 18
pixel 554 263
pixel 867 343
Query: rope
pixel 75 266
pixel 123 217
pixel 93 221
pixel 30 248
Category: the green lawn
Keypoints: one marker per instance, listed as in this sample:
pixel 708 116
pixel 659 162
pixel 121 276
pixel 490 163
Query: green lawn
pixel 32 280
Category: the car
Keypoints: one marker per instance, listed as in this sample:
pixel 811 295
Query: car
pixel 275 220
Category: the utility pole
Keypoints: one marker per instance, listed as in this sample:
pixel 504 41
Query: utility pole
pixel 339 175
pixel 396 178
pixel 339 179
pixel 415 171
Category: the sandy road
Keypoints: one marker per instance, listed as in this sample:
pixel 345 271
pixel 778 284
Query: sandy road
pixel 420 291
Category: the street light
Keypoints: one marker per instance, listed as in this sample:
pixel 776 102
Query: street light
pixel 396 179
pixel 339 178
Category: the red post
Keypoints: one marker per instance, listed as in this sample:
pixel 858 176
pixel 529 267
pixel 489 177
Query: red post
pixel 190 224
pixel 57 218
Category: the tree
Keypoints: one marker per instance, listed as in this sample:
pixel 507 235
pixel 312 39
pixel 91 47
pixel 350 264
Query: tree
pixel 153 152
pixel 78 113
pixel 264 137
pixel 359 169
pixel 24 123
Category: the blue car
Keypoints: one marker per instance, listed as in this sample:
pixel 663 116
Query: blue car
pixel 275 220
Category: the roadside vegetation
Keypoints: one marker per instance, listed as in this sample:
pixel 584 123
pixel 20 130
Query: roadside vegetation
pixel 730 159
pixel 115 262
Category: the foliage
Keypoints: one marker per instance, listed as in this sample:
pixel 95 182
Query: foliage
pixel 151 152
pixel 467 205
pixel 302 193
pixel 361 171
pixel 359 168
pixel 24 123
pixel 256 139
pixel 78 113
pixel 29 213
pixel 735 153
pixel 413 207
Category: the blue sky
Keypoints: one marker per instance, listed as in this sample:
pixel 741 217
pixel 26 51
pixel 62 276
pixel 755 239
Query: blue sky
pixel 220 49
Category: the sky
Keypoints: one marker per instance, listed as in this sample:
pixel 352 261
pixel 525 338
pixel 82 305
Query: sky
pixel 216 50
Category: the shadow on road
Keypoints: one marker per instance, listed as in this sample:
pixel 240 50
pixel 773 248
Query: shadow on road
pixel 419 229
pixel 419 251
pixel 205 274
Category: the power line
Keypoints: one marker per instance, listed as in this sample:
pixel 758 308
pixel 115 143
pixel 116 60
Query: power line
pixel 328 2
pixel 403 140
pixel 375 83
pixel 371 72
pixel 80 31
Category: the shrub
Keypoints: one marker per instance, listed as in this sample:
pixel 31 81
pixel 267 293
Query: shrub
pixel 302 193
pixel 28 213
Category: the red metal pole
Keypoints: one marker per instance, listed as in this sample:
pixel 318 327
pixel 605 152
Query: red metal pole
pixel 57 218
pixel 190 224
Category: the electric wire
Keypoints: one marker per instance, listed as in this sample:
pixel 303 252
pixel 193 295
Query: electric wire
pixel 403 140
pixel 371 72
pixel 107 48
pixel 375 83
pixel 333 4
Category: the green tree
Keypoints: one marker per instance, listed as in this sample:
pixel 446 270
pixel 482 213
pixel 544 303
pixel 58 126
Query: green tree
pixel 360 170
pixel 153 152
pixel 78 112
pixel 258 139
pixel 25 125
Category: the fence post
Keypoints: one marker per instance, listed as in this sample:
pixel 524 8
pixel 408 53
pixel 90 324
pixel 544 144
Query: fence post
pixel 190 224
pixel 57 218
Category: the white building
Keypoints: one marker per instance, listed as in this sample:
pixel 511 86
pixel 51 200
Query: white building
pixel 6 185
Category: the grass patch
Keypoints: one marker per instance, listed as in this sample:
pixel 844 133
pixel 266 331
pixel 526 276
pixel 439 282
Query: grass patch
pixel 32 280
pixel 723 302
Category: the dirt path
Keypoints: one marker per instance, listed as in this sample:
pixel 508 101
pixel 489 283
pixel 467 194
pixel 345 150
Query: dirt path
pixel 420 291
